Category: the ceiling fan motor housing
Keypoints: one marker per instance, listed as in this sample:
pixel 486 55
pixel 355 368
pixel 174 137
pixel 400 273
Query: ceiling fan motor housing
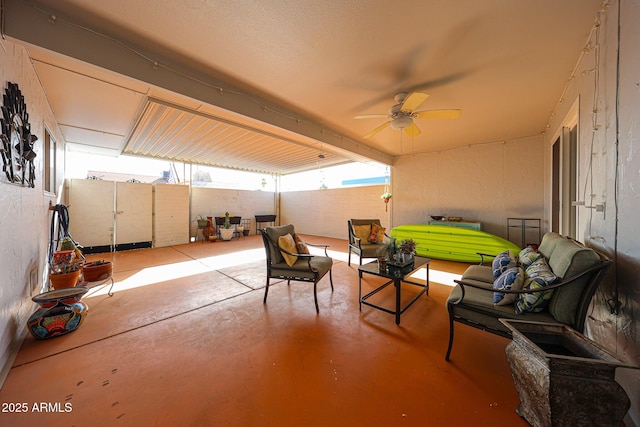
pixel 401 122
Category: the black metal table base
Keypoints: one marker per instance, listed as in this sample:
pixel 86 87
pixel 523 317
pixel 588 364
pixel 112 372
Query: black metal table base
pixel 397 281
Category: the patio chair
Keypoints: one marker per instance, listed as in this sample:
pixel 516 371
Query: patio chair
pixel 360 242
pixel 288 258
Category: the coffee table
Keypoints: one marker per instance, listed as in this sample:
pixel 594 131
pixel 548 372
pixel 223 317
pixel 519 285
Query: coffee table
pixel 397 280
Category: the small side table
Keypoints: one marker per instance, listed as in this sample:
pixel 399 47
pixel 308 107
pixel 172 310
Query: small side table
pixel 260 219
pixel 397 281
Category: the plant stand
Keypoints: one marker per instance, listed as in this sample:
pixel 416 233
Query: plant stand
pixel 562 377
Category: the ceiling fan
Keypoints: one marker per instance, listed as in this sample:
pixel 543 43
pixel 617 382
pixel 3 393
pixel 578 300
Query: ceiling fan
pixel 403 112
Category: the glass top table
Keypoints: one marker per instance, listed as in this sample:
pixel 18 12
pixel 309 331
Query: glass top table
pixel 397 280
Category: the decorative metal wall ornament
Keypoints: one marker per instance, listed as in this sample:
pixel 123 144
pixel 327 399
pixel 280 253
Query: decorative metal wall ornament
pixel 17 141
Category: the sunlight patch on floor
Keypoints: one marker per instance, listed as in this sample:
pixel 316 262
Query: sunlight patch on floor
pixel 442 277
pixel 162 273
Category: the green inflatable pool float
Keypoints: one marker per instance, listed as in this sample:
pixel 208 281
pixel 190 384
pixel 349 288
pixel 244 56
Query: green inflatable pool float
pixel 452 243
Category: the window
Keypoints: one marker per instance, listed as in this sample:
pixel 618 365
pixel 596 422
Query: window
pixel 49 164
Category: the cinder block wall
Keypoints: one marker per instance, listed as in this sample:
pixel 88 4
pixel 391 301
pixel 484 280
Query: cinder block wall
pixel 325 212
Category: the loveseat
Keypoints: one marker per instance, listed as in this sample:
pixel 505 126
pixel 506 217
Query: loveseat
pixel 553 283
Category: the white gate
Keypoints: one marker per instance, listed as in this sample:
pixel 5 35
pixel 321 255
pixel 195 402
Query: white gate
pixel 134 204
pixel 90 206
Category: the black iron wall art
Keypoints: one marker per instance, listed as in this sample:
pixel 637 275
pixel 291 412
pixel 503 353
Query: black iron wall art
pixel 17 140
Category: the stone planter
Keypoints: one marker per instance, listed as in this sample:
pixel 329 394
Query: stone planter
pixel 562 377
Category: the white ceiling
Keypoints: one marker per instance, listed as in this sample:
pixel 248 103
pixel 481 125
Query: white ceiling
pixel 269 85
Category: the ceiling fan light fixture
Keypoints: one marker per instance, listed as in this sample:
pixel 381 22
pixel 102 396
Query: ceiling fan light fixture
pixel 401 122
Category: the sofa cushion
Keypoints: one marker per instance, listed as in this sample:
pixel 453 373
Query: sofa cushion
pixel 569 259
pixel 502 262
pixel 548 244
pixel 477 307
pixel 377 234
pixel 511 279
pixel 479 273
pixel 527 256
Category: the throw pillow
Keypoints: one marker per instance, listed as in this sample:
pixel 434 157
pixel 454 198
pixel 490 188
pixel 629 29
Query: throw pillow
pixel 511 279
pixel 540 269
pixel 538 276
pixel 301 246
pixel 533 302
pixel 362 232
pixel 377 234
pixel 527 256
pixel 287 243
pixel 502 262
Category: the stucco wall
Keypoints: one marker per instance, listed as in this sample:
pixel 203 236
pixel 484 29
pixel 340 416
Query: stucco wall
pixel 217 201
pixel 484 182
pixel 24 214
pixel 325 212
pixel 608 165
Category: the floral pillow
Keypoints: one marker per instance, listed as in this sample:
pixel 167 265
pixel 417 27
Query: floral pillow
pixel 527 256
pixel 301 246
pixel 539 276
pixel 377 234
pixel 510 279
pixel 502 262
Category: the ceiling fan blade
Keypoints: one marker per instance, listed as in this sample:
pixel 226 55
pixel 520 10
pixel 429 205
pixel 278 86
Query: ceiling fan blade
pixel 412 130
pixel 376 130
pixel 414 100
pixel 372 116
pixel 438 114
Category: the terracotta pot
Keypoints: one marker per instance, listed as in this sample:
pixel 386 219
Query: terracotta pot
pixel 97 270
pixel 60 312
pixel 64 280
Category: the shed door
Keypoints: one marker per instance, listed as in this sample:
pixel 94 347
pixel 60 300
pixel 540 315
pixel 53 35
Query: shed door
pixel 170 215
pixel 134 203
pixel 91 213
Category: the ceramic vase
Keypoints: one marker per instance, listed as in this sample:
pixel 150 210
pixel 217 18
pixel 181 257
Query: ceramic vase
pixel 60 312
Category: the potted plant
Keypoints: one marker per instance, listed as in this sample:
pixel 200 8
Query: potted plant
pixel 226 232
pixel 386 197
pixel 202 221
pixel 66 265
pixel 408 249
pixel 386 252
